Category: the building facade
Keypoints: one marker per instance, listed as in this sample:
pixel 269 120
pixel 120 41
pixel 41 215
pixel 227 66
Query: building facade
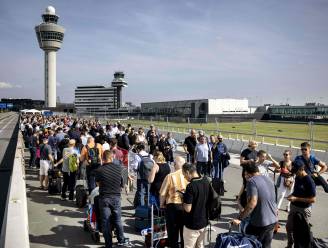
pixel 199 108
pixel 308 112
pixel 101 101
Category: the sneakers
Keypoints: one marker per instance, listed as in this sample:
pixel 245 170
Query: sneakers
pixel 126 243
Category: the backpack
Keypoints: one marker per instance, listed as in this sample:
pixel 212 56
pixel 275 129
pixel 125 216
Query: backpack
pixel 72 162
pixel 214 203
pixel 145 166
pixel 93 155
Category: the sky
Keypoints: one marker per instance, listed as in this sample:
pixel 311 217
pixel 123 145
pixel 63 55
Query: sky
pixel 269 51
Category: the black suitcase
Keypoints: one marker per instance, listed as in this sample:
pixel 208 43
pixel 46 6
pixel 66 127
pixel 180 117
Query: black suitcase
pixel 218 186
pixel 81 196
pixel 55 186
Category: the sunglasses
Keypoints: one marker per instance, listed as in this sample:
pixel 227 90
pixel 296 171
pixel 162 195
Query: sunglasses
pixel 286 154
pixel 304 149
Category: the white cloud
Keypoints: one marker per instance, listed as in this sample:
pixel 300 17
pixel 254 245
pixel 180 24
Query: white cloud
pixel 4 85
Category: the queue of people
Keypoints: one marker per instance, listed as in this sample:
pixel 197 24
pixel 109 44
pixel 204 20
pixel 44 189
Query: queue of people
pixel 183 189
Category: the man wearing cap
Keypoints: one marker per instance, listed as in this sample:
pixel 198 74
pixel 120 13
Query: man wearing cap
pixel 301 199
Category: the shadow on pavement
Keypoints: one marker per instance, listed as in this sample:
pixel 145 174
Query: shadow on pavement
pixel 64 236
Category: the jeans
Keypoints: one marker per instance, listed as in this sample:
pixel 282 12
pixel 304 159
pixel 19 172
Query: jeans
pixel 174 224
pixel 264 234
pixel 91 177
pixel 202 168
pixel 190 158
pixel 142 191
pixel 111 206
pixel 218 169
pixel 32 156
pixel 69 182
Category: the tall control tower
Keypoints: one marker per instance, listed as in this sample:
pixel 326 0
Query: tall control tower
pixel 119 82
pixel 50 37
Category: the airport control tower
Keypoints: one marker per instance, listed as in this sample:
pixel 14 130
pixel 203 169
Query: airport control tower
pixel 119 82
pixel 50 37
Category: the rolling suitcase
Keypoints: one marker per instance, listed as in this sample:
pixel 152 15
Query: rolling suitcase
pixel 81 195
pixel 55 186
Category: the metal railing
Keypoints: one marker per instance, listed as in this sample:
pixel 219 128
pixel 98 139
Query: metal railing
pixel 244 136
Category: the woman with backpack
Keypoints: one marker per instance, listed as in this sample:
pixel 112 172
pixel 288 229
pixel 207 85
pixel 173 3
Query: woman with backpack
pixel 70 162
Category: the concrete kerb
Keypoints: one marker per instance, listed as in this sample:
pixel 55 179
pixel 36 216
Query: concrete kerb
pixel 17 216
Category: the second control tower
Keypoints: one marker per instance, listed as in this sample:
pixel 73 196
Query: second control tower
pixel 50 37
pixel 119 82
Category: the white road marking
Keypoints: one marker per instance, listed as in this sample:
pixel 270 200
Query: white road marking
pixel 2 129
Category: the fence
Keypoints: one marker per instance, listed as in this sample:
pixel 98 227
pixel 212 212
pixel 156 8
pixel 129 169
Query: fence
pixel 262 132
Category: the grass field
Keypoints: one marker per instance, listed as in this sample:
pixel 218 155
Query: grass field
pixel 282 133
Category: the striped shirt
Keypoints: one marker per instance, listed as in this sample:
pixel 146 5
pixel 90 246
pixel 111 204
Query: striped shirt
pixel 172 183
pixel 109 177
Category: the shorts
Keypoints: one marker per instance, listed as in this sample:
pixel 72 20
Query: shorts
pixel 44 167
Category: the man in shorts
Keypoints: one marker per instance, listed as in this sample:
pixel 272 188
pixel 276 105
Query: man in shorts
pixel 46 159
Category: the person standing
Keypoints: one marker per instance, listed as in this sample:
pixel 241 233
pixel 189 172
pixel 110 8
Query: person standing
pixel 33 142
pixel 219 156
pixel 142 182
pixel 189 146
pixel 285 181
pixel 201 156
pixel 263 163
pixel 110 181
pixel 157 175
pixel 46 161
pixel 261 206
pixel 171 200
pixel 247 157
pixel 68 176
pixel 195 202
pixel 91 154
pixel 301 199
pixel 173 147
pixel 311 163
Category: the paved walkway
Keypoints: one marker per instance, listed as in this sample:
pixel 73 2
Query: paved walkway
pixel 56 223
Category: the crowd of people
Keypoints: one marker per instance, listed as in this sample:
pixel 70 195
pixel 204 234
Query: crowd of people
pixel 179 184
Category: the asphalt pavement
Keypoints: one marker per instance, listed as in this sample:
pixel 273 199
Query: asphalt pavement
pixel 56 223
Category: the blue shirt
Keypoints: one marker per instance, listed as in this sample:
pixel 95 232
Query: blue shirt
pixel 310 166
pixel 304 187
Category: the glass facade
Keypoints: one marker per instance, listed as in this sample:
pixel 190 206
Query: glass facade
pixel 320 112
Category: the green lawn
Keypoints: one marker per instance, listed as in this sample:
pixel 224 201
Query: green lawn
pixel 285 130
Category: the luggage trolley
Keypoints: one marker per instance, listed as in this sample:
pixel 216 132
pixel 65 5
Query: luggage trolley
pixel 156 235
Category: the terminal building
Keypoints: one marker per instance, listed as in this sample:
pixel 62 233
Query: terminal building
pixel 200 108
pixel 99 100
pixel 308 112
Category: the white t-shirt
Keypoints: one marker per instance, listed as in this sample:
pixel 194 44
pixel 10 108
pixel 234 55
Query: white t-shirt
pixel 105 146
pixel 202 152
pixel 263 167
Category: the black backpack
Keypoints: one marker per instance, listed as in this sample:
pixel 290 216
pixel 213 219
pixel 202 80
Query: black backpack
pixel 145 166
pixel 93 155
pixel 213 203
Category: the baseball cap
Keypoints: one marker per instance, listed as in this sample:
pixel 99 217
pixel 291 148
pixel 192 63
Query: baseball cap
pixel 297 164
